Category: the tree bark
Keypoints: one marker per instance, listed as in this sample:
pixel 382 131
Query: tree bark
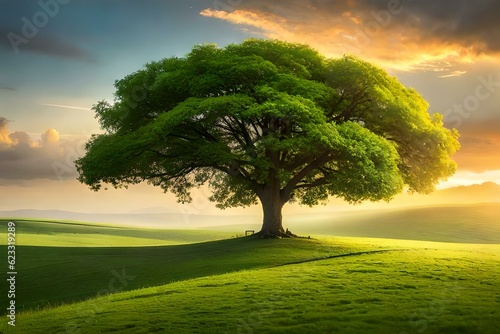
pixel 272 205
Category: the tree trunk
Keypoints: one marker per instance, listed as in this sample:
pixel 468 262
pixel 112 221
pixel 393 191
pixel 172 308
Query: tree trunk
pixel 272 204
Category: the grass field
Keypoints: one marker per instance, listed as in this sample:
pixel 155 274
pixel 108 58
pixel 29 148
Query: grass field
pixel 77 234
pixel 77 273
pixel 247 285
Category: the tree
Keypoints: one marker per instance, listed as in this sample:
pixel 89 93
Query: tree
pixel 268 121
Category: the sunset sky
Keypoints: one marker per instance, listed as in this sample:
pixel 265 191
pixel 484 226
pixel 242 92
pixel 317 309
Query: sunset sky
pixel 59 57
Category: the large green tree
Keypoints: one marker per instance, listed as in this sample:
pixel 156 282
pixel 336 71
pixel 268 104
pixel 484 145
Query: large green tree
pixel 268 121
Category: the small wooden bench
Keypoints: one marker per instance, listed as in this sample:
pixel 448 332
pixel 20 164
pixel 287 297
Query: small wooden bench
pixel 249 232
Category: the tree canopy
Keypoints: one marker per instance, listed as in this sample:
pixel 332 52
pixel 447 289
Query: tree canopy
pixel 270 121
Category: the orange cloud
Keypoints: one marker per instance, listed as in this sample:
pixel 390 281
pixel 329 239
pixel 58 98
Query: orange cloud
pixel 395 34
pixel 5 139
pixel 51 136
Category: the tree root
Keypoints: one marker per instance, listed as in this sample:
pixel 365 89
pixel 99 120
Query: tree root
pixel 280 235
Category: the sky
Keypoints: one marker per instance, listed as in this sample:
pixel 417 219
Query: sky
pixel 59 57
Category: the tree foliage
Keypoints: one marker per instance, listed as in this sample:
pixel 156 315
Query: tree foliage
pixel 268 117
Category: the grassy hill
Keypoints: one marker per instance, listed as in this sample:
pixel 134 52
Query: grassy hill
pixel 77 272
pixel 74 234
pixel 362 286
pixel 86 280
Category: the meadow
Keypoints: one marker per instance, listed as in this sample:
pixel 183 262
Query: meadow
pixel 89 278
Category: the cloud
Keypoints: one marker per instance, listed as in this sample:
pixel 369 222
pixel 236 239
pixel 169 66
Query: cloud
pixel 471 24
pixel 20 138
pixel 5 139
pixel 53 46
pixel 7 88
pixel 42 43
pixel 51 136
pixel 65 106
pixel 420 35
pixel 49 157
pixel 453 74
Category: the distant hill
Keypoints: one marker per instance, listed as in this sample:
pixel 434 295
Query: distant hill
pixel 472 223
pixel 153 220
pixel 486 192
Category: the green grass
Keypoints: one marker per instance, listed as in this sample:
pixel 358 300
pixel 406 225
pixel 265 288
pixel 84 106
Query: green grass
pixel 77 273
pixel 402 290
pixel 246 285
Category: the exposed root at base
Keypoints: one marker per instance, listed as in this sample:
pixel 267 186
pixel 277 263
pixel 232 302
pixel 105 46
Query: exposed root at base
pixel 280 235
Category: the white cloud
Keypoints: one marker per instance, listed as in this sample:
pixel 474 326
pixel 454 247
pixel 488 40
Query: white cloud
pixel 23 157
pixel 65 106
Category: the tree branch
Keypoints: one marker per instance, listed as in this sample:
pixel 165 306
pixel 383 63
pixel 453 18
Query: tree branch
pixel 318 162
pixel 318 182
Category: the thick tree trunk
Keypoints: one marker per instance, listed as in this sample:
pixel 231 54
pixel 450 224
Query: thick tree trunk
pixel 272 225
pixel 272 204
